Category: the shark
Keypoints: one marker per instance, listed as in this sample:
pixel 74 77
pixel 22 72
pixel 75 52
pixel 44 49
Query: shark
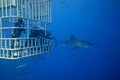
pixel 76 43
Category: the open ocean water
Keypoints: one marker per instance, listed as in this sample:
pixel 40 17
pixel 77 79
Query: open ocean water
pixel 96 21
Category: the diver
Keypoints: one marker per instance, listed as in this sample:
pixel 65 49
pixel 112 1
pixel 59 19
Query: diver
pixel 19 25
pixel 40 36
pixel 33 34
pixel 49 35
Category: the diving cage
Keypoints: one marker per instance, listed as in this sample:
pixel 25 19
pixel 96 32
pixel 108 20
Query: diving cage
pixel 23 30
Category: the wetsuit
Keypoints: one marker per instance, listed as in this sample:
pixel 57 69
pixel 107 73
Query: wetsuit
pixel 17 31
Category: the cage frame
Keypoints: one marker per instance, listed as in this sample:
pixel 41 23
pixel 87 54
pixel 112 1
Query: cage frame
pixel 35 13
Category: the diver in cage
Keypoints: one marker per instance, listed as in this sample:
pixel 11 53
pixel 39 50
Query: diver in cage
pixel 34 33
pixel 17 31
pixel 19 25
pixel 49 35
pixel 39 34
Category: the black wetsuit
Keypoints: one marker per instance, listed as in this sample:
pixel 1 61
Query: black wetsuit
pixel 34 34
pixel 38 34
pixel 17 31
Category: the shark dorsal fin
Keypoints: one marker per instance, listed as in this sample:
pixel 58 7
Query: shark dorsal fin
pixel 72 37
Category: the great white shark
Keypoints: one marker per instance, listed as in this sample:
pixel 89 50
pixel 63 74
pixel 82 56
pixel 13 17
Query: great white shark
pixel 76 43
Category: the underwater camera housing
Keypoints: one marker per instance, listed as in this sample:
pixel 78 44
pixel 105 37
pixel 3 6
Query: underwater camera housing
pixel 23 30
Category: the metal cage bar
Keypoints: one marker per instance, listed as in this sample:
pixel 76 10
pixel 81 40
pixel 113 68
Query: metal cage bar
pixel 29 9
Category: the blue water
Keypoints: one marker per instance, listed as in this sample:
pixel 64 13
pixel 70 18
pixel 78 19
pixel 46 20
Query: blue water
pixel 97 21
